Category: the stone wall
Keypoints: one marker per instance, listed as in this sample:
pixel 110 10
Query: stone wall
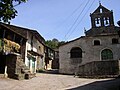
pixel 99 68
pixel 15 67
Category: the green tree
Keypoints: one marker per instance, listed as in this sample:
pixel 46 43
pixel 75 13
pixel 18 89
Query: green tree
pixel 61 43
pixel 54 43
pixel 7 9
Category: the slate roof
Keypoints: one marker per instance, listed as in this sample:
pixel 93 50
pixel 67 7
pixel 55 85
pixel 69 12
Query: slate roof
pixel 23 31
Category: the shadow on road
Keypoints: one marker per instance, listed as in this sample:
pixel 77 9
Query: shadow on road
pixel 100 85
pixel 53 71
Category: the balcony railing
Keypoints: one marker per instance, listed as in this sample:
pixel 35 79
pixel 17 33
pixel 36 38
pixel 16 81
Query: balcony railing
pixel 9 46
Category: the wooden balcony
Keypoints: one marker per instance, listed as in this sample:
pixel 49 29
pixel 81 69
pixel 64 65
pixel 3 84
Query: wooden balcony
pixel 8 46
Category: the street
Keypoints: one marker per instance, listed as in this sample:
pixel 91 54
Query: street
pixel 44 81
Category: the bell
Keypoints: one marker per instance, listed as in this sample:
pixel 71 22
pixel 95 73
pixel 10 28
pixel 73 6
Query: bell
pixel 97 21
pixel 106 21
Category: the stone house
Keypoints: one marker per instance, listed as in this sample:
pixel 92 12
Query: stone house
pixel 22 51
pixel 96 53
pixel 12 52
pixel 49 57
pixel 35 54
pixel 55 62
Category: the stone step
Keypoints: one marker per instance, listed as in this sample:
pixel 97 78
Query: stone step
pixel 2 76
pixel 29 75
pixel 20 76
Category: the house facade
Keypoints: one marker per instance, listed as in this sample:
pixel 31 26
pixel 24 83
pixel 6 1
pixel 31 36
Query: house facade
pixel 34 50
pixel 101 43
pixel 25 48
pixel 55 62
pixel 34 56
pixel 12 52
pixel 49 57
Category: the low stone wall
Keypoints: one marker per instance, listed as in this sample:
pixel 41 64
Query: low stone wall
pixel 99 69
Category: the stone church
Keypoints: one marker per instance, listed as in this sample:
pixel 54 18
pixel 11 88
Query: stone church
pixel 97 51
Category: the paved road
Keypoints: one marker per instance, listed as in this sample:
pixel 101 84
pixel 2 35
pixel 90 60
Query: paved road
pixel 44 81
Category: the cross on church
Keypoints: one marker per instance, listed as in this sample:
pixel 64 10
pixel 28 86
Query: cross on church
pixel 99 2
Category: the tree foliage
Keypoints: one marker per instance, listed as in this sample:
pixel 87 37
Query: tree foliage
pixel 7 9
pixel 54 43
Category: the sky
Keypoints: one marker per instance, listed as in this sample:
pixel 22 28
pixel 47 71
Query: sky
pixel 64 20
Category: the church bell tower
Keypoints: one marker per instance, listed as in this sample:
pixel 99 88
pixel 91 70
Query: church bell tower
pixel 102 22
pixel 102 17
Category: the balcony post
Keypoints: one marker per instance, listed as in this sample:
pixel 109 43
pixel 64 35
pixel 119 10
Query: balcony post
pixel 4 34
pixel 14 37
pixel 21 42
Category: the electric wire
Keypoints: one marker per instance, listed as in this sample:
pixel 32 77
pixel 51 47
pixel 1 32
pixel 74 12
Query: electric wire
pixel 77 19
pixel 81 18
pixel 66 19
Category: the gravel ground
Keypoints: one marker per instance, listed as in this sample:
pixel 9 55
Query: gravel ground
pixel 44 81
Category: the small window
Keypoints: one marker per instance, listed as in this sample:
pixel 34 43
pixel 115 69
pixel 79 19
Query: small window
pixel 76 52
pixel 96 42
pixel 114 41
pixel 101 10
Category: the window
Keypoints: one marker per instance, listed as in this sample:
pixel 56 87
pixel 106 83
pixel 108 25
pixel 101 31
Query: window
pixel 96 42
pixel 114 41
pixel 76 52
pixel 28 62
pixel 101 10
pixel 106 54
pixel 17 39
